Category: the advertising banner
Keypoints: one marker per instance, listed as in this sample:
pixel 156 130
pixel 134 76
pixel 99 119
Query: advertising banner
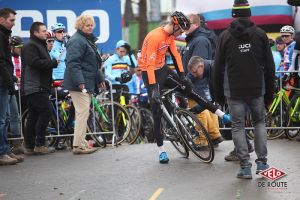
pixel 107 15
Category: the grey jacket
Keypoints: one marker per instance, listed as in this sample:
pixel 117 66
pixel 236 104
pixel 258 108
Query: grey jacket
pixel 82 63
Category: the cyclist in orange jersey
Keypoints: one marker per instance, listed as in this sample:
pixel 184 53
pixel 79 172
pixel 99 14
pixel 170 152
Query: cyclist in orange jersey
pixel 151 61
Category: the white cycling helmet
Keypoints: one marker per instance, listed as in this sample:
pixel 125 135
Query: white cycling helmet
pixel 287 29
pixel 57 26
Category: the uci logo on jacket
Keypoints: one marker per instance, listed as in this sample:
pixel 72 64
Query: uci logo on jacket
pixel 244 47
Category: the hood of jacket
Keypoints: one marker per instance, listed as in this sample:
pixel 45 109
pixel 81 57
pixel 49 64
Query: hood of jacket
pixel 200 31
pixel 242 28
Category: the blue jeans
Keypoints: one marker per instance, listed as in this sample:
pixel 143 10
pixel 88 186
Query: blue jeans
pixel 238 109
pixel 14 117
pixel 4 145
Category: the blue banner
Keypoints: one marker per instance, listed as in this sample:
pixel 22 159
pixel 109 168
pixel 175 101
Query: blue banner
pixel 107 15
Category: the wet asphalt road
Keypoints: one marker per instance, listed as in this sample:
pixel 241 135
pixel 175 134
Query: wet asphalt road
pixel 133 173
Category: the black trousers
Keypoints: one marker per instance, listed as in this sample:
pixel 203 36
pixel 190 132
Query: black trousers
pixel 39 113
pixel 164 83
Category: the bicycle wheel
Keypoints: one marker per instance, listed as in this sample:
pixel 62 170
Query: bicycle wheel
pixel 51 129
pixel 122 121
pixel 194 135
pixel 274 120
pixel 93 126
pixel 293 116
pixel 174 137
pixel 147 123
pixel 135 117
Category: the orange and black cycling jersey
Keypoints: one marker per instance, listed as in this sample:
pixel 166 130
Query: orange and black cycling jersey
pixel 154 49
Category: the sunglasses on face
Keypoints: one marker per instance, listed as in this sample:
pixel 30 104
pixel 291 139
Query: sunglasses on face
pixel 49 41
pixel 18 46
pixel 60 31
pixel 285 36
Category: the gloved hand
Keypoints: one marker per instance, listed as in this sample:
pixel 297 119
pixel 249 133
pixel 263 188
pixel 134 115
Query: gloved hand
pixel 118 79
pixel 187 83
pixel 226 118
pixel 155 93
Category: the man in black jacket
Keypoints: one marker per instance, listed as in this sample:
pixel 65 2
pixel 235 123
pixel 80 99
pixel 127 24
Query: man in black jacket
pixel 244 73
pixel 37 79
pixel 197 41
pixel 7 21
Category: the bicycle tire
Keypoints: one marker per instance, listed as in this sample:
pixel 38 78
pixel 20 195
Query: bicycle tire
pixel 274 120
pixel 135 116
pixel 99 139
pixel 121 118
pixel 52 126
pixel 293 118
pixel 174 137
pixel 192 129
pixel 146 134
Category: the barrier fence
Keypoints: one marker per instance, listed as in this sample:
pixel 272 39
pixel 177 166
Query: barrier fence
pixel 114 133
pixel 99 97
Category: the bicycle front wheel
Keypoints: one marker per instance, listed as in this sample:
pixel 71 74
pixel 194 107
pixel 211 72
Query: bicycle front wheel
pixel 174 137
pixel 194 135
pixel 122 121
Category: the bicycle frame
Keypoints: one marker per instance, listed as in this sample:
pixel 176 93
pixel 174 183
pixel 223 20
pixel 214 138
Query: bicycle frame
pixel 281 95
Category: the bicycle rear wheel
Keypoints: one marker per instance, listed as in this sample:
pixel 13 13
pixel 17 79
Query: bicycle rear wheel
pixel 147 123
pixel 135 117
pixel 194 135
pixel 274 120
pixel 293 116
pixel 174 137
pixel 93 126
pixel 122 121
pixel 51 129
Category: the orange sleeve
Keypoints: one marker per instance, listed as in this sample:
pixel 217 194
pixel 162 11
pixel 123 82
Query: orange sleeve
pixel 151 58
pixel 178 60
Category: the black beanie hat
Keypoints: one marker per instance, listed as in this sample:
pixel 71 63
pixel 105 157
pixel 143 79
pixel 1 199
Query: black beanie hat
pixel 241 8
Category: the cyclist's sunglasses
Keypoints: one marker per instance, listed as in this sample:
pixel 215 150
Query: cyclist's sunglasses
pixel 18 46
pixel 283 36
pixel 49 41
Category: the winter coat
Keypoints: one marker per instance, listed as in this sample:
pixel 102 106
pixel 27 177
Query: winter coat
pixel 198 44
pixel 82 63
pixel 6 65
pixel 37 67
pixel 244 66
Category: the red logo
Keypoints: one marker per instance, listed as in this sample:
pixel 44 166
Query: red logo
pixel 272 174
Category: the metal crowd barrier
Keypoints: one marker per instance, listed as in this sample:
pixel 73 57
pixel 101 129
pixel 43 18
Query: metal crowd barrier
pixel 281 113
pixel 113 132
